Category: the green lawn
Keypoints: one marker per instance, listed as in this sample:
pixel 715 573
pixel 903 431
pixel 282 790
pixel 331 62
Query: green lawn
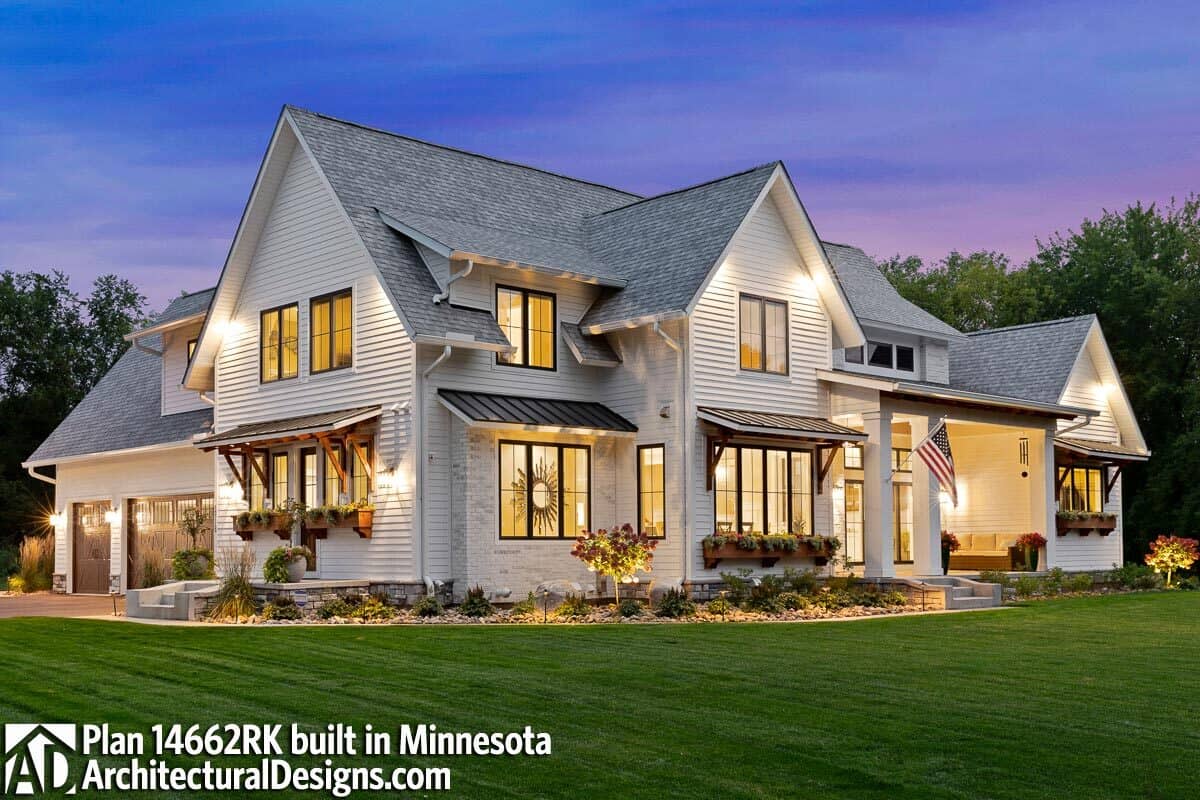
pixel 1088 698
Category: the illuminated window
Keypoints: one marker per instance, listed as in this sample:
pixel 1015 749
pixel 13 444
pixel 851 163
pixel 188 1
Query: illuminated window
pixel 527 319
pixel 331 339
pixel 1082 489
pixel 191 349
pixel 760 490
pixel 258 489
pixel 278 343
pixel 545 490
pixel 333 483
pixel 309 479
pixel 901 459
pixel 852 457
pixel 902 518
pixel 652 490
pixel 360 474
pixel 279 480
pixel 764 335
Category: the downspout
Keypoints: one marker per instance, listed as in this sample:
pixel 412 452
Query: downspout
pixel 137 342
pixel 46 478
pixel 684 414
pixel 1074 427
pixel 207 398
pixel 420 477
pixel 438 298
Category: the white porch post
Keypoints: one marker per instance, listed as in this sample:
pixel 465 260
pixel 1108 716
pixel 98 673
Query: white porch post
pixel 1042 495
pixel 877 487
pixel 927 508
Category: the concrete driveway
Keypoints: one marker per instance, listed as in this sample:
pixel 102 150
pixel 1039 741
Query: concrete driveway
pixel 44 604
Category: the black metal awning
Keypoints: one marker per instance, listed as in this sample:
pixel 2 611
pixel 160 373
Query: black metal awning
pixel 758 423
pixel 499 410
pixel 290 428
pixel 1100 451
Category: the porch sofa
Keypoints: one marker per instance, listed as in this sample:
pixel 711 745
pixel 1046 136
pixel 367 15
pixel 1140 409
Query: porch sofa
pixel 987 551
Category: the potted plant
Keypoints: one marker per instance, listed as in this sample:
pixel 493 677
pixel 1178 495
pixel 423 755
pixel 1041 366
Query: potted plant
pixel 194 562
pixel 1032 543
pixel 286 564
pixel 767 547
pixel 358 517
pixel 949 545
pixel 262 520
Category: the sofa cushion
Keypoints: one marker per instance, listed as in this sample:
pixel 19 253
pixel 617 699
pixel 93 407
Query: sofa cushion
pixel 983 542
pixel 1006 540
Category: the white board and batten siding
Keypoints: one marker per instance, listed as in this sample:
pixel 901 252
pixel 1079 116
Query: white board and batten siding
pixel 308 249
pixel 154 473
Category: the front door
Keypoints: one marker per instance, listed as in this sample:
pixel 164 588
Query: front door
pixel 91 548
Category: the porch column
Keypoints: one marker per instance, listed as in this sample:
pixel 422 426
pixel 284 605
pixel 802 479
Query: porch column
pixel 877 488
pixel 927 508
pixel 1042 495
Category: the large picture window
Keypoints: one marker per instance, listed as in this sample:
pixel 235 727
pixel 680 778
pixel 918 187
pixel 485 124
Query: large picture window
pixel 331 326
pixel 545 490
pixel 527 319
pixel 1082 489
pixel 764 335
pixel 279 355
pixel 764 490
pixel 652 490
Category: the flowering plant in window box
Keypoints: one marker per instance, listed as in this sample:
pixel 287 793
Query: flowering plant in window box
pixel 1084 522
pixel 360 517
pixel 264 520
pixel 769 547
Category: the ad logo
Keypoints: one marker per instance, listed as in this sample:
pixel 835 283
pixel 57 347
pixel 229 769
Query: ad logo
pixel 35 758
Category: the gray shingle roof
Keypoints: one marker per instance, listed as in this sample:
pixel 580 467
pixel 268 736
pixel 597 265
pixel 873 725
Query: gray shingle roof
pixel 1032 361
pixel 873 297
pixel 665 246
pixel 589 350
pixel 484 407
pixel 124 409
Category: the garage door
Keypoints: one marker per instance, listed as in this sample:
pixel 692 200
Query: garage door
pixel 91 548
pixel 156 533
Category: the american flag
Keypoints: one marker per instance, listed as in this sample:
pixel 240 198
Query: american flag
pixel 934 450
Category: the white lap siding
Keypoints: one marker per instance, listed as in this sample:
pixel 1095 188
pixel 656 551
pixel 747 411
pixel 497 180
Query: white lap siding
pixel 308 249
pixel 180 470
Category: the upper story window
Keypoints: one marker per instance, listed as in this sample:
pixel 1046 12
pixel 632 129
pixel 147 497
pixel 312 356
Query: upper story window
pixel 191 349
pixel 883 354
pixel 331 338
pixel 764 335
pixel 279 355
pixel 527 319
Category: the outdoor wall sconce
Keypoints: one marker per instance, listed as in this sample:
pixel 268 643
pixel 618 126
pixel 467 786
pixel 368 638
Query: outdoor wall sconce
pixel 112 516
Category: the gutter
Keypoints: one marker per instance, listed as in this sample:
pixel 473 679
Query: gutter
pixel 419 489
pixel 684 424
pixel 32 470
pixel 445 295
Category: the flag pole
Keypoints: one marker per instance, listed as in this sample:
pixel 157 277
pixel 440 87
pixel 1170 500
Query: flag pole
pixel 917 446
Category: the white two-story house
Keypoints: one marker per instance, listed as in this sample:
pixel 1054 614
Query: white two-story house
pixel 496 358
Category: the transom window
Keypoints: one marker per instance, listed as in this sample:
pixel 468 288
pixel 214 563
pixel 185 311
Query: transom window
pixel 652 490
pixel 852 456
pixel 759 490
pixel 545 490
pixel 279 355
pixel 883 354
pixel 764 339
pixel 527 319
pixel 901 459
pixel 1082 489
pixel 331 325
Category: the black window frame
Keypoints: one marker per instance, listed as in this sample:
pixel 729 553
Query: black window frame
pixel 858 448
pixel 640 448
pixel 330 298
pixel 762 321
pixel 191 349
pixel 870 356
pixel 1086 493
pixel 853 355
pixel 526 350
pixel 901 459
pixel 262 366
pixel 529 445
pixel 766 494
pixel 912 358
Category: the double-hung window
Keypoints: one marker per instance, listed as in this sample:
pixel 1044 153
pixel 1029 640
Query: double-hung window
pixel 331 332
pixel 528 321
pixel 652 490
pixel 763 327
pixel 764 490
pixel 279 354
pixel 545 490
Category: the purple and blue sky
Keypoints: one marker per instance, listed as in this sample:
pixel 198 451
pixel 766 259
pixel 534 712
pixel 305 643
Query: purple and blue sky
pixel 130 133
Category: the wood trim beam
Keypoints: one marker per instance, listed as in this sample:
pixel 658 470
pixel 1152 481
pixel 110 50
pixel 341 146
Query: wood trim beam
pixel 1111 475
pixel 362 455
pixel 1061 478
pixel 824 465
pixel 343 480
pixel 716 448
pixel 253 462
pixel 237 473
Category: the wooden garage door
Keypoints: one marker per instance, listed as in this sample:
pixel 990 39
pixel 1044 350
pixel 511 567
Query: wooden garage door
pixel 91 548
pixel 155 534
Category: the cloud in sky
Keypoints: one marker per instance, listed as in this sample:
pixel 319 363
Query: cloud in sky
pixel 130 133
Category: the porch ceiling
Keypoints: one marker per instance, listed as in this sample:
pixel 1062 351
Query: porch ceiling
pixel 506 411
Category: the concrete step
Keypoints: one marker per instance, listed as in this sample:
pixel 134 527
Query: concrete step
pixel 962 591
pixel 973 602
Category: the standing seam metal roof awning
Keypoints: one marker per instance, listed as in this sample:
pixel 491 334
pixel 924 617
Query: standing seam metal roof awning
pixel 479 408
pixel 290 427
pixel 785 425
pixel 1105 451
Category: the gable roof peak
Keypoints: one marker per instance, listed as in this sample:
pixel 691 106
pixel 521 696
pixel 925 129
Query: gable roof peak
pixel 702 184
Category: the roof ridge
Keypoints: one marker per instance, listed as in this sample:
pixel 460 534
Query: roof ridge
pixel 844 244
pixel 461 151
pixel 1039 324
pixel 183 295
pixel 688 188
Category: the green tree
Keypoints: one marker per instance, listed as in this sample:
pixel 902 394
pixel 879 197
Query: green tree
pixel 970 292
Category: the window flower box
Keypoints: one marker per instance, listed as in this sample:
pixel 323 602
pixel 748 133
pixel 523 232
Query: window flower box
pixel 319 520
pixel 1084 522
pixel 249 523
pixel 768 548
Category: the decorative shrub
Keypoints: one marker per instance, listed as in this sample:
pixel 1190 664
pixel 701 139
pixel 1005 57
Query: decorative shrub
pixel 1169 554
pixel 1190 584
pixel 793 601
pixel 476 604
pixel 372 607
pixel 337 607
pixel 842 583
pixel 36 568
pixel 1027 586
pixel 1031 541
pixel 525 608
pixel 16 584
pixel 995 576
pixel 1083 582
pixel 282 608
pixel 618 554
pixel 764 596
pixel 427 606
pixel 1134 576
pixel 674 604
pixel 801 581
pixel 275 568
pixel 737 586
pixel 235 598
pixel 154 571
pixel 1056 581
pixel 192 564
pixel 720 605
pixel 574 606
pixel 629 608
